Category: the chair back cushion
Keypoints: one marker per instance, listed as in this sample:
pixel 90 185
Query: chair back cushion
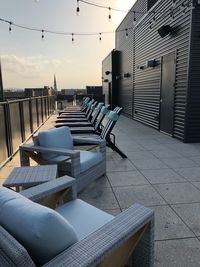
pixel 104 110
pixel 56 137
pixel 42 231
pixel 113 116
pixel 100 105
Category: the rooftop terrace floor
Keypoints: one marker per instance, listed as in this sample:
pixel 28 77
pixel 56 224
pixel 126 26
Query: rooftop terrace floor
pixel 161 173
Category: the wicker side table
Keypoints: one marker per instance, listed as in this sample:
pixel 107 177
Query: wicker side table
pixel 25 177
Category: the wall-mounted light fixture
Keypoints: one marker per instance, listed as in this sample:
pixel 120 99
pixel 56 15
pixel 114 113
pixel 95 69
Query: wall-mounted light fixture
pixel 127 75
pixel 108 72
pixel 140 67
pixel 164 30
pixel 118 77
pixel 151 63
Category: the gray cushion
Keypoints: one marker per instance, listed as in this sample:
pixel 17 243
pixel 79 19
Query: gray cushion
pixel 87 159
pixel 42 231
pixel 55 137
pixel 84 217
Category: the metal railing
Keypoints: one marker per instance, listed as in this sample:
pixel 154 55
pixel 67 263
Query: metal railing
pixel 19 119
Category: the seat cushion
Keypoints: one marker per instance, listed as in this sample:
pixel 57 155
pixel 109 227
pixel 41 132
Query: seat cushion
pixel 84 217
pixel 55 137
pixel 88 159
pixel 36 227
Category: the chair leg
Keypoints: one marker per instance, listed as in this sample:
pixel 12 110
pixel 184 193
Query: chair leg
pixel 144 252
pixel 115 148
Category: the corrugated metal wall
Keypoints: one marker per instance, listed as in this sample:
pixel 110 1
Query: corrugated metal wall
pixel 143 89
pixel 192 133
pixel 125 46
pixel 149 45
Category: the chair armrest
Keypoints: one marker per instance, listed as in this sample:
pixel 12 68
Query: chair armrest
pixel 44 190
pixel 59 151
pixel 78 140
pixel 93 249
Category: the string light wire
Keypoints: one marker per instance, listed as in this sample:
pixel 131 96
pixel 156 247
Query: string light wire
pixel 55 32
pixel 11 23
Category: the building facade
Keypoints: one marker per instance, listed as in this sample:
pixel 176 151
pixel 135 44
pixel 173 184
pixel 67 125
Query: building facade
pixel 162 57
pixel 111 78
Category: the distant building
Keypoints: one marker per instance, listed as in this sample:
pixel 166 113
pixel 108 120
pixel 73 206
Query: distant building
pixel 94 90
pixel 33 92
pixel 15 94
pixel 68 92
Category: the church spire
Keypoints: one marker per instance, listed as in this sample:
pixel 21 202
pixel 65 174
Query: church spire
pixel 55 84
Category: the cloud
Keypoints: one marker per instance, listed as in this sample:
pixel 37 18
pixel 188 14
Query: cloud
pixel 29 67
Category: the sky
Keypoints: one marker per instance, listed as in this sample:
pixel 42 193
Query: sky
pixel 29 61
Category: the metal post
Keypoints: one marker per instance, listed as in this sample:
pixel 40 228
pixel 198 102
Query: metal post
pixel 1 85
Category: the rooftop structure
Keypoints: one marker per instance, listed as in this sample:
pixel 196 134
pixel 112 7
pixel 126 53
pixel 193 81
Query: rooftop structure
pixel 159 64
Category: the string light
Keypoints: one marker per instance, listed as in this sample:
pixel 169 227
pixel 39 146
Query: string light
pixel 126 30
pixel 134 18
pixel 107 7
pixel 10 26
pixel 72 38
pixel 78 8
pixel 184 6
pixel 42 34
pixel 109 15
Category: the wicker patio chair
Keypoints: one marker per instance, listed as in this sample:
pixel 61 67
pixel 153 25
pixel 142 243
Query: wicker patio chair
pixel 57 146
pixel 107 242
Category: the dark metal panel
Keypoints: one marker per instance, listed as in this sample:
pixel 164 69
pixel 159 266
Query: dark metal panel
pixel 192 133
pixel 167 93
pixel 3 136
pixel 27 122
pixel 106 79
pixel 34 113
pixel 15 123
pixel 39 110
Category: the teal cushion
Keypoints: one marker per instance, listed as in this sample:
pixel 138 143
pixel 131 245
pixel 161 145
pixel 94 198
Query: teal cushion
pixel 104 110
pixel 56 137
pixel 100 105
pixel 90 217
pixel 89 103
pixel 86 100
pixel 113 116
pixel 42 231
pixel 88 159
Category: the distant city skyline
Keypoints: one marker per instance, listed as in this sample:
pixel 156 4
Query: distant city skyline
pixel 29 61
